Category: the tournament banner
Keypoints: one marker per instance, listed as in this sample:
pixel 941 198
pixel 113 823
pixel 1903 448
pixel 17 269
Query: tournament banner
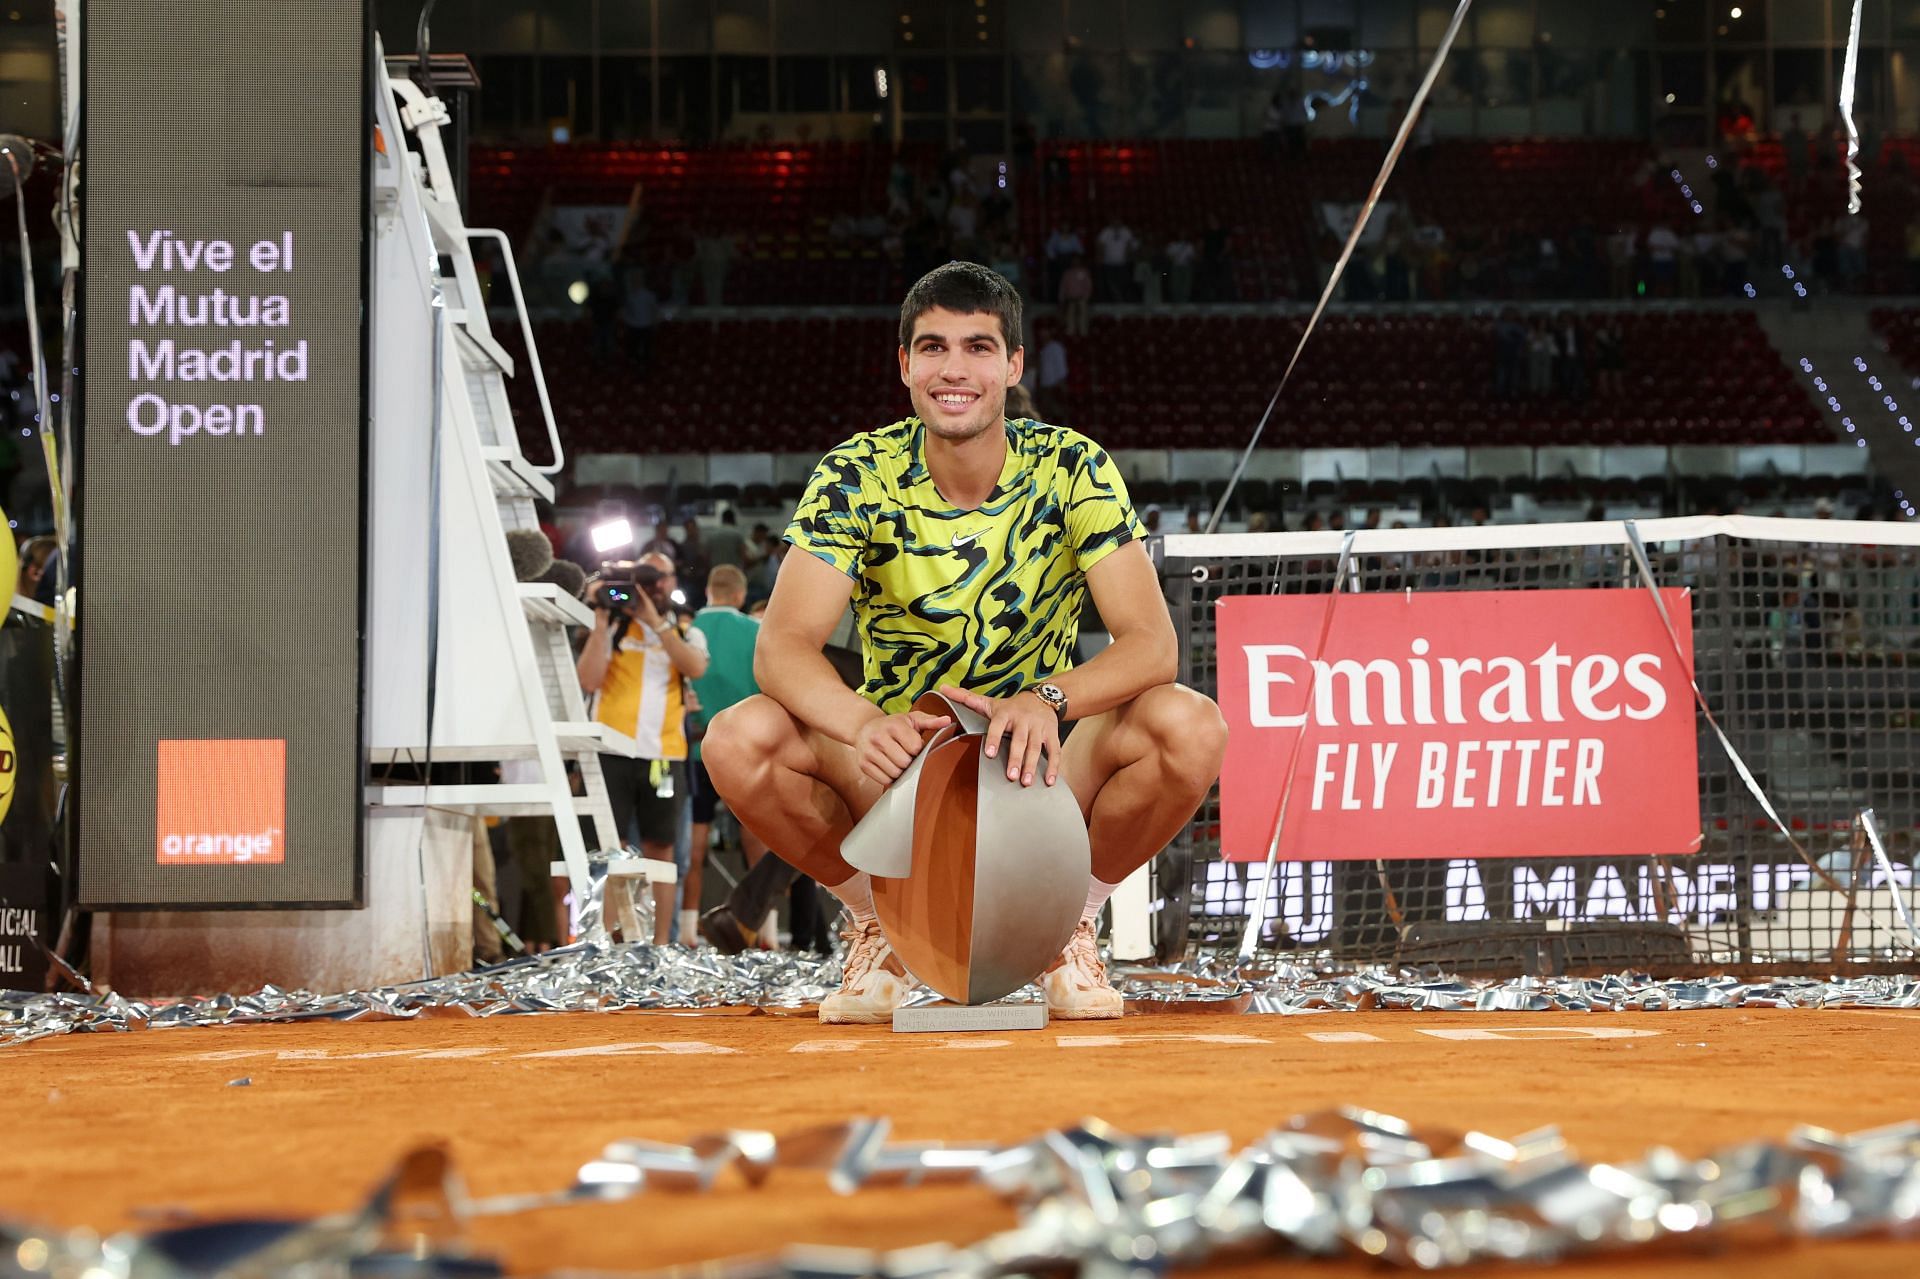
pixel 1458 724
pixel 25 924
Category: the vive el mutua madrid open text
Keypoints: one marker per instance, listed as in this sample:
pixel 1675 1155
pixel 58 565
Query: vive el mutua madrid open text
pixel 191 284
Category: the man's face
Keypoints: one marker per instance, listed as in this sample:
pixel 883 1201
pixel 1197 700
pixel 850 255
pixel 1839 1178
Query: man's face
pixel 958 369
pixel 668 583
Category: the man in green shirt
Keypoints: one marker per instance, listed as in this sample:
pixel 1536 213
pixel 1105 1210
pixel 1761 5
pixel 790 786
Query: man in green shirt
pixel 730 636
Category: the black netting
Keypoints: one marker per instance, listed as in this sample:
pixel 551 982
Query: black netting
pixel 1809 655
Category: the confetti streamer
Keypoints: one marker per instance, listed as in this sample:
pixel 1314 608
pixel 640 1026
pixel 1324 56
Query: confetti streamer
pixel 1849 76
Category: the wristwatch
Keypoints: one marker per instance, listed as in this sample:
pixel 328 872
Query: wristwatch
pixel 1052 696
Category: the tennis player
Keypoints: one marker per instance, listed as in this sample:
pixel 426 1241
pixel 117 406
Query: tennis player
pixel 968 544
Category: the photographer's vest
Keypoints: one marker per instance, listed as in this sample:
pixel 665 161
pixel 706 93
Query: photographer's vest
pixel 643 695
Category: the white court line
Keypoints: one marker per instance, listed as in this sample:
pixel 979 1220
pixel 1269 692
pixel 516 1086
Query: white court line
pixel 1898 1014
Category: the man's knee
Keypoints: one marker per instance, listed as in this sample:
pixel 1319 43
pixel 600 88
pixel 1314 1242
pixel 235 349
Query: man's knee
pixel 1188 732
pixel 742 741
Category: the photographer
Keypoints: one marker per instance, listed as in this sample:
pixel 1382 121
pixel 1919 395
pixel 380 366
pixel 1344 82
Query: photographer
pixel 635 667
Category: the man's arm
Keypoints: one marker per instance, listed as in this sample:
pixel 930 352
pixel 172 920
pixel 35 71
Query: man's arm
pixel 807 602
pixel 1144 652
pixel 596 654
pixel 688 658
pixel 808 599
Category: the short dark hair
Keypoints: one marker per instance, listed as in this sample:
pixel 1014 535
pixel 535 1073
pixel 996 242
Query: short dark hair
pixel 966 288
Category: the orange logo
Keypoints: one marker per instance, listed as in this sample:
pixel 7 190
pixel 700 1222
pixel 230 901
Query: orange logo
pixel 222 802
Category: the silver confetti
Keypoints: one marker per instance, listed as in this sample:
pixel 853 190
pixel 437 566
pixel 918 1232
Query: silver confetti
pixel 609 977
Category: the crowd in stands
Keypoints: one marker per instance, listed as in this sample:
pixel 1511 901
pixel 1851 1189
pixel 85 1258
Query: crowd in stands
pixel 1168 223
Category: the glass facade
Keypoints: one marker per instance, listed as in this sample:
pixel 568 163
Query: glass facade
pixel 1680 71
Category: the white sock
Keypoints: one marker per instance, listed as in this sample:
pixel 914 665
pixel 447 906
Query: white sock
pixel 1097 893
pixel 856 895
pixel 689 928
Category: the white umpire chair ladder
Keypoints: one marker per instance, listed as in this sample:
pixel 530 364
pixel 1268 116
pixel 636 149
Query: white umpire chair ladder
pixel 504 678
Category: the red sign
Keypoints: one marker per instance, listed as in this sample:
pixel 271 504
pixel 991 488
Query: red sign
pixel 1457 724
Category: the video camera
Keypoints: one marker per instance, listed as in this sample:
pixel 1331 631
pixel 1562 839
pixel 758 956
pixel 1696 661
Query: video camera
pixel 619 583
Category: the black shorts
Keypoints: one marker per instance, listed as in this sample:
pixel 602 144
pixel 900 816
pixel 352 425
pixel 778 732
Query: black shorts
pixel 642 814
pixel 704 799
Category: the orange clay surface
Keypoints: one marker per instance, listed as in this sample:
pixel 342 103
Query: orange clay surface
pixel 112 1131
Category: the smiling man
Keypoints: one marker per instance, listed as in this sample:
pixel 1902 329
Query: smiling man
pixel 967 544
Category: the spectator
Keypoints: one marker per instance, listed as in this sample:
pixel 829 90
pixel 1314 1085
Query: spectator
pixel 960 177
pixel 1570 358
pixel 1271 121
pixel 1117 245
pixel 1006 261
pixel 725 545
pixel 1293 121
pixel 1769 205
pixel 761 577
pixel 899 189
pixel 1622 247
pixel 1148 277
pixel 1053 376
pixel 1181 256
pixel 35 554
pixel 759 546
pixel 1609 359
pixel 1663 252
pixel 934 199
pixel 1063 247
pixel 691 560
pixel 636 665
pixel 1020 402
pixel 1734 242
pixel 1540 353
pixel 640 314
pixel 963 222
pixel 1852 237
pixel 1076 291
pixel 730 636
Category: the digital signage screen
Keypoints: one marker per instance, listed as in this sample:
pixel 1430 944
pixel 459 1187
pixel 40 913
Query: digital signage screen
pixel 222 365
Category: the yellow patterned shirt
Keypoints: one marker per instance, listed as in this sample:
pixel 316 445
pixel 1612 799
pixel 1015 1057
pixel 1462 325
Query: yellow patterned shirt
pixel 987 599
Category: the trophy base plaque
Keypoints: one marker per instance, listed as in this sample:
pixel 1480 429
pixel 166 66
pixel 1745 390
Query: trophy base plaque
pixel 946 1018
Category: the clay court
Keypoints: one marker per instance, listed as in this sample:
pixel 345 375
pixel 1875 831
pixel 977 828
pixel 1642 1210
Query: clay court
pixel 144 1129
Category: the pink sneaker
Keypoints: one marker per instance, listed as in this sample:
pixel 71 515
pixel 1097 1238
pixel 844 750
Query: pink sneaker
pixel 1076 986
pixel 873 981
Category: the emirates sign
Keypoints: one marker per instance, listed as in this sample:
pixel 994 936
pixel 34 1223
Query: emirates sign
pixel 1458 724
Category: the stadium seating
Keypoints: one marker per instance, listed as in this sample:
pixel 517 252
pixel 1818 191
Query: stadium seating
pixel 1417 378
pixel 781 199
pixel 778 201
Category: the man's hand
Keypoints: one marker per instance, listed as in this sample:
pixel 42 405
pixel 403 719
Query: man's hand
pixel 888 744
pixel 644 611
pixel 1031 724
